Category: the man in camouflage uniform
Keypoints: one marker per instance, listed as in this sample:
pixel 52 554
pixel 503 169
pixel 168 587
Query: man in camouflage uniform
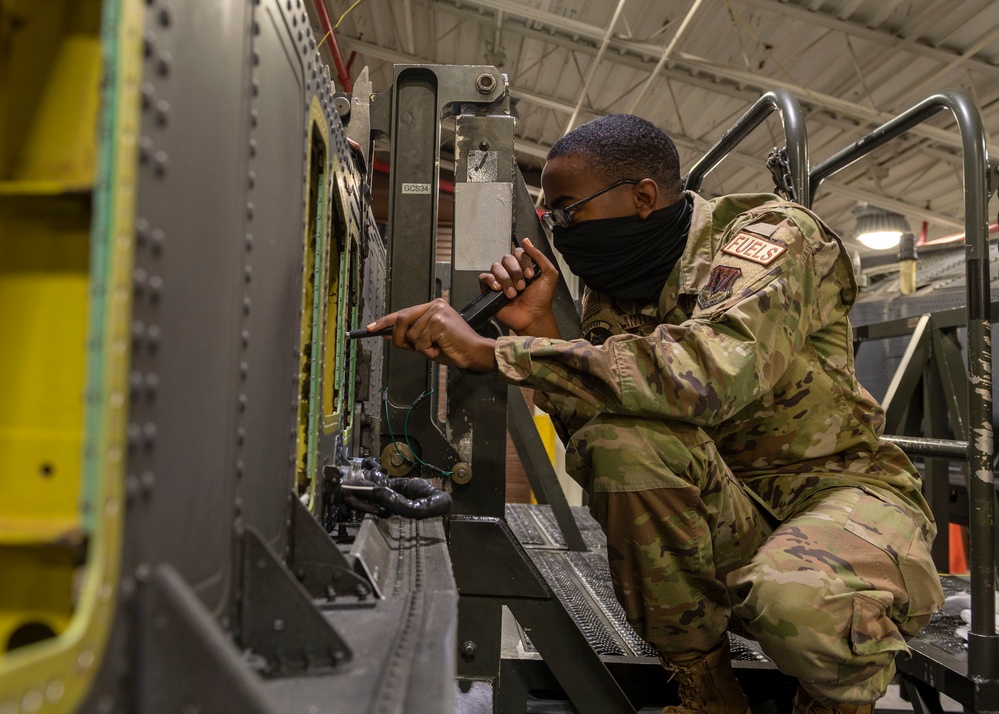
pixel 713 415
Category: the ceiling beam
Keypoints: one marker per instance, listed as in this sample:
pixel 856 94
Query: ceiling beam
pixel 539 151
pixel 594 66
pixel 756 164
pixel 665 56
pixel 855 29
pixel 693 64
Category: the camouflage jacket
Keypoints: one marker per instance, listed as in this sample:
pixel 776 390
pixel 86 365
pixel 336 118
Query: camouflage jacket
pixel 749 341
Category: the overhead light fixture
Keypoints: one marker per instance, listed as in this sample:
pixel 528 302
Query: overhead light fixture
pixel 878 228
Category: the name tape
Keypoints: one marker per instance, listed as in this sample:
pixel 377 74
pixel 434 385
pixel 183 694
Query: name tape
pixel 754 248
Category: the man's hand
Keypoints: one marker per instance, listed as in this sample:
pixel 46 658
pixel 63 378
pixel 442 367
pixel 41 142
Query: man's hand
pixel 530 312
pixel 438 332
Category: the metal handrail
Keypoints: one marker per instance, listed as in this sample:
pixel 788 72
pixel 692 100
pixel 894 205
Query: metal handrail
pixel 795 138
pixel 983 643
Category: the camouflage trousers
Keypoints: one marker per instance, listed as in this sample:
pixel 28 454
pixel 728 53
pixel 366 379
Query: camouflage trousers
pixel 830 593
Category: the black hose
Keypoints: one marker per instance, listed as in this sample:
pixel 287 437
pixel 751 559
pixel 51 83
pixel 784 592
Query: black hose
pixel 407 497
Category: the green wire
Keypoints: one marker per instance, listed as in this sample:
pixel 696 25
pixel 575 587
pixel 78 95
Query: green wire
pixel 405 431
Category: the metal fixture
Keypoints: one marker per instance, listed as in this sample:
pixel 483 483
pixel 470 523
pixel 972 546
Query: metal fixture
pixel 878 228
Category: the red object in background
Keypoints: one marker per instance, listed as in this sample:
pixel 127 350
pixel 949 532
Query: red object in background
pixel 958 559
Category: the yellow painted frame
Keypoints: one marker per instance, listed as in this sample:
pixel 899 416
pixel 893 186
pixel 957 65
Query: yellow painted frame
pixel 55 675
pixel 315 267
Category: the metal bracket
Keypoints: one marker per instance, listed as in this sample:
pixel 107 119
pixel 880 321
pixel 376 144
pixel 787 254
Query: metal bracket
pixel 189 664
pixel 909 372
pixel 318 563
pixel 278 620
pixel 539 470
pixel 924 699
pixel 497 571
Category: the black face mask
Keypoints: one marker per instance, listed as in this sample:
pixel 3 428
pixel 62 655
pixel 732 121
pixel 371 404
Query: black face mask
pixel 627 257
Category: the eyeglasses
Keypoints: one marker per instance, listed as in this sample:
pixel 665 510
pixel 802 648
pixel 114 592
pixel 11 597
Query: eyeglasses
pixel 562 217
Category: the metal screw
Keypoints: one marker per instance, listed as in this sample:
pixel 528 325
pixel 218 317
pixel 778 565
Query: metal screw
pixel 342 106
pixel 469 649
pixel 462 473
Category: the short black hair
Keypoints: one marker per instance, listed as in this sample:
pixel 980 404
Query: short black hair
pixel 624 146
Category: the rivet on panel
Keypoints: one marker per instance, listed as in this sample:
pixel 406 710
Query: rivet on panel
pixel 246 306
pixel 152 385
pixel 253 147
pixel 145 149
pixel 149 432
pixel 248 273
pixel 148 94
pixel 256 56
pixel 249 210
pixel 158 238
pixel 131 487
pixel 153 337
pixel 249 241
pixel 146 482
pixel 165 16
pixel 133 433
pixel 31 702
pixel 255 87
pixel 162 111
pixel 254 117
pixel 127 588
pixel 164 63
pixel 160 163
pixel 240 468
pixel 148 43
pixel 240 436
pixel 251 179
pixel 141 231
pixel 85 660
pixel 245 336
pixel 243 401
pixel 55 691
pixel 155 288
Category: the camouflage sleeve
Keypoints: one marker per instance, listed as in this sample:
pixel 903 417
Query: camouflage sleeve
pixel 755 310
pixel 568 413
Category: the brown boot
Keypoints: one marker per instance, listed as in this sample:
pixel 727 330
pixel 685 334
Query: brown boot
pixel 707 683
pixel 805 704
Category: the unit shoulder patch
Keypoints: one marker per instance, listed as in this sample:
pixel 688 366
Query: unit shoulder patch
pixel 754 248
pixel 596 332
pixel 719 287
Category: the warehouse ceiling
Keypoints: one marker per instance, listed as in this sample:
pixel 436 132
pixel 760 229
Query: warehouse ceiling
pixel 693 67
